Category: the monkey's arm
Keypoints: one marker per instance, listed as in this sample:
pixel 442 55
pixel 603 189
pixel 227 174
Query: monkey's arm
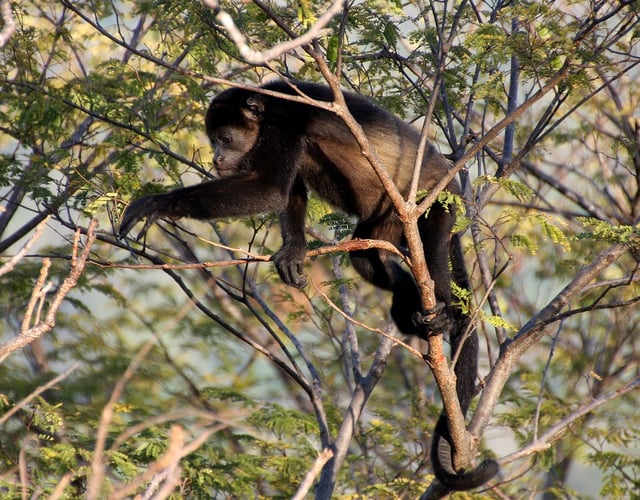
pixel 228 197
pixel 289 260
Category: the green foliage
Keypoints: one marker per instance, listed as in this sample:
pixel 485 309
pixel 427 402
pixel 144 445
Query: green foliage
pixel 516 189
pixel 340 224
pixel 498 322
pixel 283 423
pixel 103 102
pixel 306 14
pixel 610 233
pixel 622 470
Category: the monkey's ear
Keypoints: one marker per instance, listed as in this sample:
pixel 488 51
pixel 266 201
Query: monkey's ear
pixel 255 108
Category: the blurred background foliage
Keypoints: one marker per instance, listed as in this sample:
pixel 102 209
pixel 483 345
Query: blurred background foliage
pixel 101 102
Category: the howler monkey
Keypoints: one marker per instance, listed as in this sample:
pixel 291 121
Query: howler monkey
pixel 269 151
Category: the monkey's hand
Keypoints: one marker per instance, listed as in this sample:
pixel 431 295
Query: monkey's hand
pixel 289 261
pixel 148 207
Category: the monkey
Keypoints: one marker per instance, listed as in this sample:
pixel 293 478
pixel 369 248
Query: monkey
pixel 269 151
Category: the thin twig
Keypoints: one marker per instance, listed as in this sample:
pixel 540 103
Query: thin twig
pixel 9 266
pixel 351 319
pixel 25 401
pixel 257 57
pixel 41 327
pixel 555 432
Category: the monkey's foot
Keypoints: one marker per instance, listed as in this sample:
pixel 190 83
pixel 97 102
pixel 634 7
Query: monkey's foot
pixel 435 321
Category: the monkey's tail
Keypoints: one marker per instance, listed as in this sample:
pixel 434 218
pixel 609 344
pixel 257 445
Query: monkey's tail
pixel 441 462
pixel 466 370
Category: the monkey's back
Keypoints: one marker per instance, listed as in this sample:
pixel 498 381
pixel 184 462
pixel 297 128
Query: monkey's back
pixel 393 140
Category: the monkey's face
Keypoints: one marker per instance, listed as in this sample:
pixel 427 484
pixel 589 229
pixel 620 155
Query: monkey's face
pixel 231 143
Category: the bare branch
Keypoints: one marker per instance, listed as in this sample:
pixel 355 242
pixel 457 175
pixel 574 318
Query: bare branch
pixel 78 262
pixel 353 245
pixel 97 467
pixel 312 473
pixel 556 431
pixel 532 332
pixel 97 464
pixel 9 23
pixel 359 399
pixel 256 57
pixel 360 324
pixel 9 266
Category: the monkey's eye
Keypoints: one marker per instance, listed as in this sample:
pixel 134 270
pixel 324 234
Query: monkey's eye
pixel 224 139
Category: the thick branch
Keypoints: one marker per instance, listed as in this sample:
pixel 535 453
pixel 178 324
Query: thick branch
pixel 359 399
pixel 9 23
pixel 532 332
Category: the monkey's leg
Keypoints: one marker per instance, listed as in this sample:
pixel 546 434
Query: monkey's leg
pixel 289 260
pixel 378 268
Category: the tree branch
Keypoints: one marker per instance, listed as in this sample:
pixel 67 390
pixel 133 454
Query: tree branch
pixel 259 58
pixel 78 262
pixel 9 23
pixel 532 332
pixel 554 433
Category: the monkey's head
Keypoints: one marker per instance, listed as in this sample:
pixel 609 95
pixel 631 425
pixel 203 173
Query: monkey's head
pixel 233 124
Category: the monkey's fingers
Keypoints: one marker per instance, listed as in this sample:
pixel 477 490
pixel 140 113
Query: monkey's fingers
pixel 289 262
pixel 292 273
pixel 147 224
pixel 134 213
pixel 127 223
pixel 435 321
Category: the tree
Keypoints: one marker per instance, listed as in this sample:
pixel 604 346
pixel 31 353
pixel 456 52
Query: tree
pixel 183 366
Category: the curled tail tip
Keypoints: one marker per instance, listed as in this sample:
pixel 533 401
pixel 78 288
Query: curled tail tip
pixel 467 480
